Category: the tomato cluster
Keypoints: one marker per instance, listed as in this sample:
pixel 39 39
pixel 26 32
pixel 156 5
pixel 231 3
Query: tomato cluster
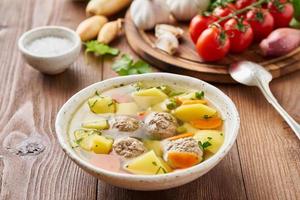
pixel 233 27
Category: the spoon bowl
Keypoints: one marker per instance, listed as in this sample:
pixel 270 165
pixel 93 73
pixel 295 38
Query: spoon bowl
pixel 249 73
pixel 252 74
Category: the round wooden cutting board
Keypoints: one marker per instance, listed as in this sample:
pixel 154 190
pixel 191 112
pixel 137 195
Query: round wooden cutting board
pixel 186 60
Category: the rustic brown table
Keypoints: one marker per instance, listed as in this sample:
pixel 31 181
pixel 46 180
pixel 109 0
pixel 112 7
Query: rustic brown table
pixel 263 164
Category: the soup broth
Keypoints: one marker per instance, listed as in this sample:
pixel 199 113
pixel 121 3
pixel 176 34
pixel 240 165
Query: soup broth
pixel 143 128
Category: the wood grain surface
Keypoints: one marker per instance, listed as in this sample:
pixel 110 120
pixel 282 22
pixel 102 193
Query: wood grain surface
pixel 264 163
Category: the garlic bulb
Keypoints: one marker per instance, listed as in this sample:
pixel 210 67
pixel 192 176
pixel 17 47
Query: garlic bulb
pixel 160 29
pixel 167 42
pixel 147 13
pixel 186 9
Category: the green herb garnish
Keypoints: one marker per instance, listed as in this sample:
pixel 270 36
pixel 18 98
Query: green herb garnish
pixel 126 66
pixel 160 168
pixel 111 103
pixel 199 95
pixel 165 89
pixel 93 104
pixel 138 86
pixel 96 93
pixel 79 140
pixel 204 145
pixel 173 94
pixel 172 104
pixel 206 117
pixel 154 163
pixel 94 46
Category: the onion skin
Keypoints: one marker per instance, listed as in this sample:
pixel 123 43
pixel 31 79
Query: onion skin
pixel 280 42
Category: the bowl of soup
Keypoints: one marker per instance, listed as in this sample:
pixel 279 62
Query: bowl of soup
pixel 148 132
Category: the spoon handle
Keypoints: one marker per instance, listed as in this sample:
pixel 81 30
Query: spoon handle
pixel 264 87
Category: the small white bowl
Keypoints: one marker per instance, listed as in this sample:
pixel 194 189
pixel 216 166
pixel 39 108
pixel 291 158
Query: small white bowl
pixel 50 64
pixel 151 182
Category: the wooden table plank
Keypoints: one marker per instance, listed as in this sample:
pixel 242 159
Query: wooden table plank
pixel 269 150
pixel 29 104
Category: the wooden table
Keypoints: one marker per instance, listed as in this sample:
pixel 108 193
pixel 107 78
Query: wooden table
pixel 263 164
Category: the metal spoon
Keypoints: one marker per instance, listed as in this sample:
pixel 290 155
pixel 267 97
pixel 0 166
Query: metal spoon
pixel 252 74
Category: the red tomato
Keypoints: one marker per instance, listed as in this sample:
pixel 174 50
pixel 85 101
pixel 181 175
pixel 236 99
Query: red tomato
pixel 213 44
pixel 281 11
pixel 262 23
pixel 198 24
pixel 240 35
pixel 223 11
pixel 243 3
pixel 265 5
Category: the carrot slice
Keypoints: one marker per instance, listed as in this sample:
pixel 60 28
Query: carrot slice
pixel 176 137
pixel 187 102
pixel 209 123
pixel 181 160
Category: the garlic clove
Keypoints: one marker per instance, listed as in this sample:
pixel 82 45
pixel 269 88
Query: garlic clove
pixel 167 42
pixel 110 31
pixel 163 28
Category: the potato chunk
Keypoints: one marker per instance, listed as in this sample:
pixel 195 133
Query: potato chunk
pixel 101 124
pixel 130 108
pixel 81 134
pixel 193 112
pixel 149 97
pixel 212 138
pixel 97 143
pixel 154 145
pixel 147 163
pixel 101 145
pixel 101 104
pixel 191 95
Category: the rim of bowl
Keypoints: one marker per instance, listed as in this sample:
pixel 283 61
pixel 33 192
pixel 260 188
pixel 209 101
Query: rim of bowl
pixel 209 163
pixel 70 34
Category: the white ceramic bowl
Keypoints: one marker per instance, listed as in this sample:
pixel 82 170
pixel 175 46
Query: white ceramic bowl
pixel 50 64
pixel 151 182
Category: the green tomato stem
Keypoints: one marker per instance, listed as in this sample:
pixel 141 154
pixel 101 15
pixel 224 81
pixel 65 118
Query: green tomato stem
pixel 260 2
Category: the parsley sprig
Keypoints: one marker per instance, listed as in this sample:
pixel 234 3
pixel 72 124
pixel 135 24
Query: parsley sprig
pixel 127 66
pixel 205 144
pixel 199 95
pixel 100 49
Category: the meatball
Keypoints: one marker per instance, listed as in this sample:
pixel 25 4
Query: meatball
pixel 129 147
pixel 189 146
pixel 125 123
pixel 160 125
